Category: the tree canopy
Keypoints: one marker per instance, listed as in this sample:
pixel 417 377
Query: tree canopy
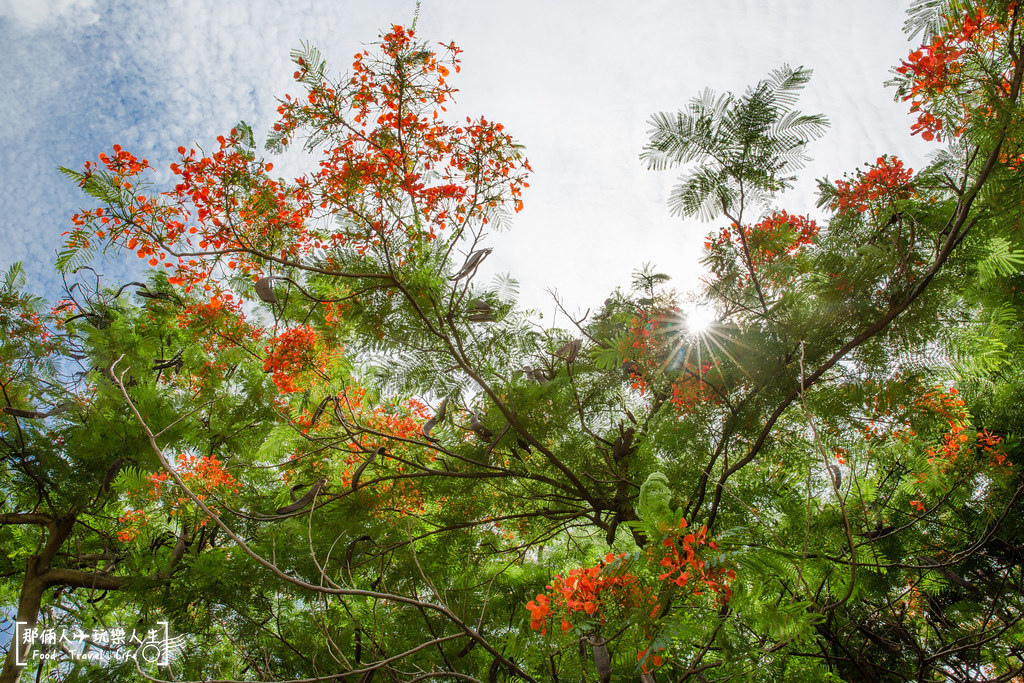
pixel 318 446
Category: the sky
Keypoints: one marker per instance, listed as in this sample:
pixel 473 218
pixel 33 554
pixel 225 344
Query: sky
pixel 574 81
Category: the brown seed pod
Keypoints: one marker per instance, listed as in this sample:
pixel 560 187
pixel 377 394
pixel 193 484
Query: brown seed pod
pixel 436 420
pixel 265 289
pixel 304 501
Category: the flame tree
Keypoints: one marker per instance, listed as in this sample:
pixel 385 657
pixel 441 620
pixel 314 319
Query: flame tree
pixel 318 444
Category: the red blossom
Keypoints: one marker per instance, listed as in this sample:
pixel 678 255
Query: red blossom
pixel 684 561
pixel 288 354
pixel 590 590
pixel 390 165
pixel 884 182
pixel 935 72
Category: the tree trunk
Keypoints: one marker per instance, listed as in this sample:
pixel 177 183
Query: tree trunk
pixel 28 612
pixel 32 589
pixel 39 576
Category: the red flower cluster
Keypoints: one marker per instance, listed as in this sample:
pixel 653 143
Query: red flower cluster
pixel 218 324
pixel 937 67
pixel 539 611
pixel 957 443
pixel 683 563
pixel 648 348
pixel 227 205
pixel 396 426
pixel 776 234
pixel 1013 161
pixel 690 391
pixel 27 325
pixel 606 586
pixel 764 236
pixel 590 590
pixel 117 222
pixel 653 658
pixel 288 354
pixel 989 443
pixel 122 163
pixel 133 521
pixel 391 167
pixel 885 181
pixel 958 440
pixel 439 176
pixel 203 474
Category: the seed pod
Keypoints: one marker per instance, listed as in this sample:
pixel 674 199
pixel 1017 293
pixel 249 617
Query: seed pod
pixel 836 474
pixel 878 531
pixel 304 501
pixel 165 363
pixel 319 411
pixel 366 463
pixel 466 649
pixel 352 546
pixel 479 428
pixel 569 350
pixel 535 374
pixel 602 661
pixel 471 264
pixel 436 420
pixel 99 598
pixel 479 311
pixel 100 322
pixel 29 414
pixel 112 471
pixel 265 289
pixel 163 296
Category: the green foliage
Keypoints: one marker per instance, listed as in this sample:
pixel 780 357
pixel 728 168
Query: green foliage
pixel 745 147
pixel 351 457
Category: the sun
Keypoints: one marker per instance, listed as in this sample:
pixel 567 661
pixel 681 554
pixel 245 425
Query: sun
pixel 699 318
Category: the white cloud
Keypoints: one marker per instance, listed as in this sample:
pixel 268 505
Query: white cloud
pixel 575 82
pixel 37 14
